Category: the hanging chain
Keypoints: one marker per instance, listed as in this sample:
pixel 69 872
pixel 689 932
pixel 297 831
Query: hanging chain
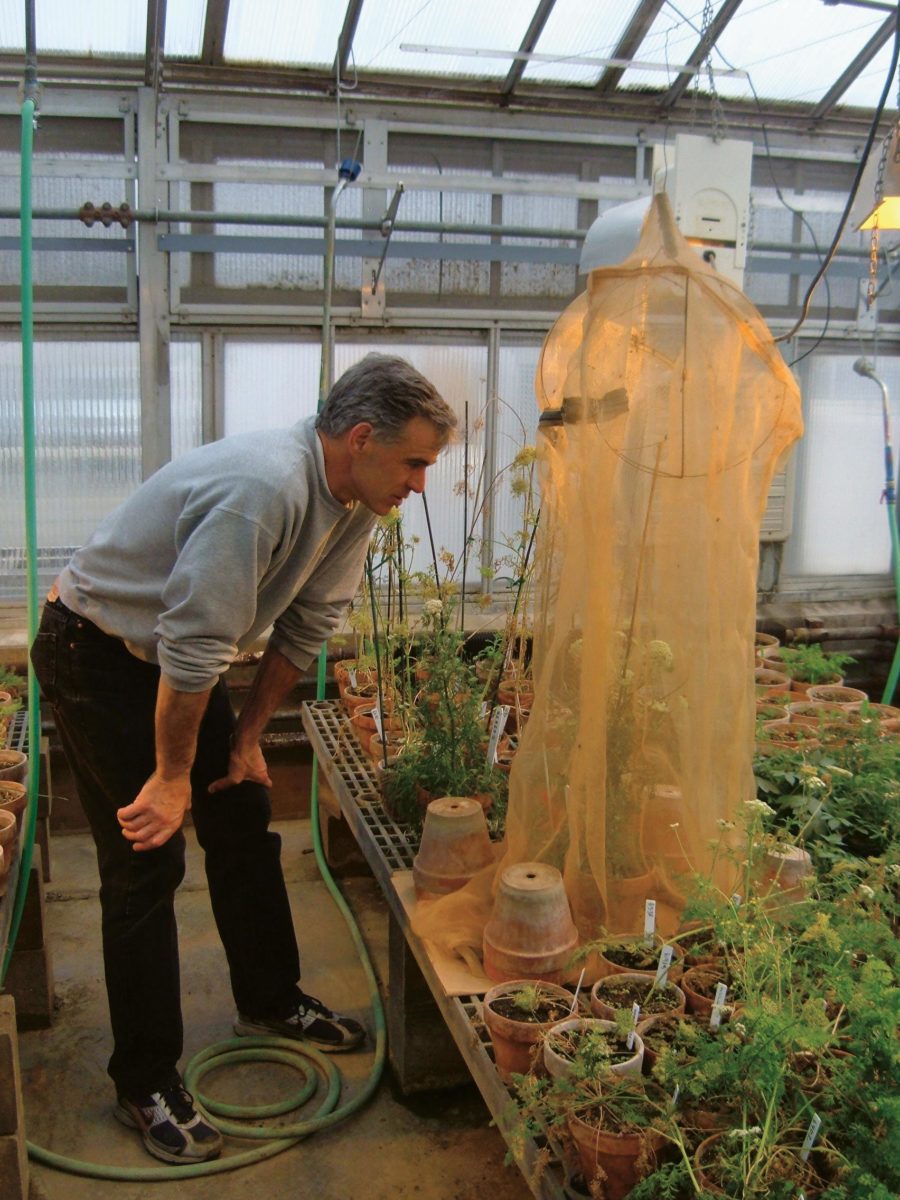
pixel 719 125
pixel 874 240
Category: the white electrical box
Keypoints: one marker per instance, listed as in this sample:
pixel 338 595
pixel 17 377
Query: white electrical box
pixel 708 183
pixel 709 186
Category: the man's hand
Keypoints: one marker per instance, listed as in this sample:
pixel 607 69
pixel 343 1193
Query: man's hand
pixel 245 762
pixel 157 812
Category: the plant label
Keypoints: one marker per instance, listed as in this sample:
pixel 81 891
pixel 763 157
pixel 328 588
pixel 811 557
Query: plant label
pixel 811 1135
pixel 378 718
pixel 484 710
pixel 635 1017
pixel 649 921
pixel 675 1094
pixel 715 1019
pixel 498 724
pixel 662 970
pixel 736 899
pixel 351 675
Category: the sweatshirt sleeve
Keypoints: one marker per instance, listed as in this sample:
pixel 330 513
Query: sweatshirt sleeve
pixel 316 610
pixel 210 598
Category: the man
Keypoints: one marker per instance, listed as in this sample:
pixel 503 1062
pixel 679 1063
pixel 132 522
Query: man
pixel 264 529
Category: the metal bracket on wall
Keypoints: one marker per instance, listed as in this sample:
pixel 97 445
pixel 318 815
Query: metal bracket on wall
pixel 373 294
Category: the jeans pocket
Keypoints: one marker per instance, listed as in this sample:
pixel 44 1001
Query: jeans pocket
pixel 44 661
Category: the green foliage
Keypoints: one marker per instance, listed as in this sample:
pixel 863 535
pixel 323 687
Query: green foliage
pixel 809 663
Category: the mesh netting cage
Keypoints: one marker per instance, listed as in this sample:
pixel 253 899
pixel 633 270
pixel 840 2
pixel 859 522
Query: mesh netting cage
pixel 666 411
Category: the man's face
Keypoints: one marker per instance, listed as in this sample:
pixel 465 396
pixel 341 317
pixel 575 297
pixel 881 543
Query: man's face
pixel 384 473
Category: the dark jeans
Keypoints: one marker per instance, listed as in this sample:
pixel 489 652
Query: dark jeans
pixel 103 701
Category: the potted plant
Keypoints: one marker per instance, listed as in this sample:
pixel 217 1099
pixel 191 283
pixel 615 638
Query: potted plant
pixel 620 992
pixel 518 1014
pixel 593 1046
pixel 808 664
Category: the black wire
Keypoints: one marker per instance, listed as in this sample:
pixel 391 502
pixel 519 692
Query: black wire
pixel 854 188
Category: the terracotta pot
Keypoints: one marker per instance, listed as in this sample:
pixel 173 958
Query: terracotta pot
pixel 365 696
pixel 515 1041
pixel 890 728
pixel 344 679
pixel 519 695
pixel 455 846
pixel 766 710
pixel 8 830
pixel 766 643
pixel 787 735
pixel 4 871
pixel 696 1000
pixel 559 1066
pixel 812 713
pixel 13 765
pixel 605 1004
pixel 877 712
pixel 13 798
pixel 618 1154
pixel 786 876
pixel 770 683
pixel 530 933
pixel 647 1025
pixel 835 694
pixel 803 686
pixel 618 957
pixel 704 1164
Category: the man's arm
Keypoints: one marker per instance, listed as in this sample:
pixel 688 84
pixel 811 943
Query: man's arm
pixel 159 808
pixel 274 678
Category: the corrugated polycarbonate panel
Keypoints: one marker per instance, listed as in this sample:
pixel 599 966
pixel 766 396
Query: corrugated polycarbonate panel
pixel 536 279
pixel 439 276
pixel 269 385
pixel 841 529
pixel 471 24
pixel 186 395
pixel 579 28
pixel 184 27
pixel 97 267
pixel 283 31
pixel 793 52
pixel 459 373
pixel 88 439
pixel 103 27
pixel 282 271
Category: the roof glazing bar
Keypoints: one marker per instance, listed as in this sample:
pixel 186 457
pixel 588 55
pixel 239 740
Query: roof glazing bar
pixel 347 34
pixel 630 41
pixel 214 32
pixel 859 64
pixel 529 41
pixel 701 51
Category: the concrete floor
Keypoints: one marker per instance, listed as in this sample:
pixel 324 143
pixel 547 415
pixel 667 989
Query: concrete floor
pixel 440 1145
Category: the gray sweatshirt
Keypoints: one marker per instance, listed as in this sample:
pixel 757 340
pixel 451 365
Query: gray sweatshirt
pixel 217 546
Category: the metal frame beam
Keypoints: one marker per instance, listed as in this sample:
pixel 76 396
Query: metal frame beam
pixel 345 41
pixel 855 68
pixel 156 38
pixel 628 44
pixel 701 50
pixel 529 41
pixel 213 48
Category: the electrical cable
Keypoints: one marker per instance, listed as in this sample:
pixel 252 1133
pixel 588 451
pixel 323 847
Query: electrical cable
pixel 854 187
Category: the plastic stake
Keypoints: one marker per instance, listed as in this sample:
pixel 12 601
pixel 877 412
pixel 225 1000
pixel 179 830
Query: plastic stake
pixel 715 1019
pixel 811 1135
pixel 498 724
pixel 662 970
pixel 649 922
pixel 635 1017
pixel 577 990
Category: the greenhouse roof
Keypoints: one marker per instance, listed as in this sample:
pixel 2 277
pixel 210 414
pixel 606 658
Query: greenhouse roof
pixel 808 61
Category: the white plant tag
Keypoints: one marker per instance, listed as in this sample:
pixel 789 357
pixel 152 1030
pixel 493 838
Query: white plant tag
pixel 351 675
pixel 662 970
pixel 484 709
pixel 715 1019
pixel 811 1135
pixel 649 921
pixel 635 1017
pixel 675 1094
pixel 498 724
pixel 378 718
pixel 736 899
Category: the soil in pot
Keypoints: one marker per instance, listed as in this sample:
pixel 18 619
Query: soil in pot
pixel 517 1015
pixel 782 1165
pixel 632 954
pixel 613 993
pixel 699 986
pixel 682 1033
pixel 13 798
pixel 13 765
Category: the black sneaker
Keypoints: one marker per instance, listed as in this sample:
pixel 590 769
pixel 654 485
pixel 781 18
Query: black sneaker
pixel 170 1126
pixel 309 1020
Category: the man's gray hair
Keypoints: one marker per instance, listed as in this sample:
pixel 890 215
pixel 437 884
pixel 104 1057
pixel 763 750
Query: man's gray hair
pixel 387 392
